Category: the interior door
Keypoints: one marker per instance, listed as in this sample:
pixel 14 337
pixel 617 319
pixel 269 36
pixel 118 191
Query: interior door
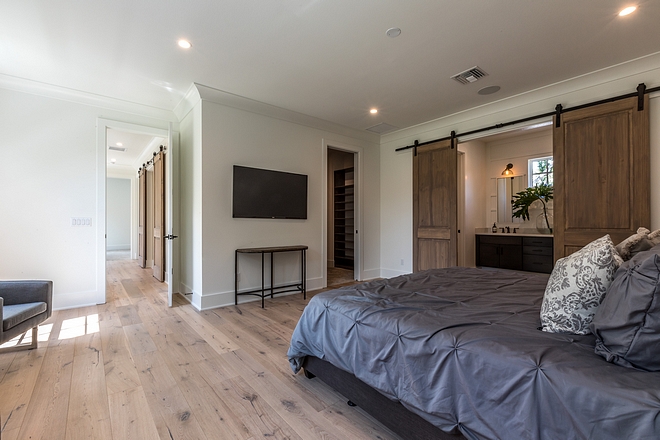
pixel 159 216
pixel 601 175
pixel 172 215
pixel 142 218
pixel 435 206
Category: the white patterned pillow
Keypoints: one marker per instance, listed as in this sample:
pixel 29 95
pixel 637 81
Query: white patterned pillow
pixel 654 237
pixel 577 286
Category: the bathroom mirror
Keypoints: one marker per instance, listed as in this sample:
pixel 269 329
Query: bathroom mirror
pixel 506 188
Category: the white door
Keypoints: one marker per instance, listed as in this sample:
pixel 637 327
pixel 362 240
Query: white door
pixel 172 216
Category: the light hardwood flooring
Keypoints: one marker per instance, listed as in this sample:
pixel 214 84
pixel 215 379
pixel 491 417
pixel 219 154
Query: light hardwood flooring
pixel 135 369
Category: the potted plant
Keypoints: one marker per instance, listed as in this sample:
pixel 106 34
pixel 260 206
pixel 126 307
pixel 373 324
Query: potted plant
pixel 522 201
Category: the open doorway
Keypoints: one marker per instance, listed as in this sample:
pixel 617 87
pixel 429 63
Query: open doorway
pixel 124 150
pixel 341 211
pixel 129 208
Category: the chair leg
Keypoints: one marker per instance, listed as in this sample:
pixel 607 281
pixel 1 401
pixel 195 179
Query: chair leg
pixel 31 346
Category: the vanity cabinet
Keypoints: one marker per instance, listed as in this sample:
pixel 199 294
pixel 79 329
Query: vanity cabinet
pixel 533 254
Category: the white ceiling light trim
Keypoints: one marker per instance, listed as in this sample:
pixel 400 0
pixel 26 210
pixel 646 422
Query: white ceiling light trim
pixel 627 11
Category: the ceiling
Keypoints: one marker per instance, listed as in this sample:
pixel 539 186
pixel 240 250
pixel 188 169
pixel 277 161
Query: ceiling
pixel 330 59
pixel 135 147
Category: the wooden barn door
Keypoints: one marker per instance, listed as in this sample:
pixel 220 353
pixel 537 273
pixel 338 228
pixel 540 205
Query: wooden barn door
pixel 435 206
pixel 159 216
pixel 142 218
pixel 602 174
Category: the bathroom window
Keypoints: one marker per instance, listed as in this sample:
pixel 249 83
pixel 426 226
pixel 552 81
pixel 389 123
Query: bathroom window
pixel 540 171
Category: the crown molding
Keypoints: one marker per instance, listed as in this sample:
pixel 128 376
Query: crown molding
pixel 601 84
pixel 188 102
pixel 246 104
pixel 80 97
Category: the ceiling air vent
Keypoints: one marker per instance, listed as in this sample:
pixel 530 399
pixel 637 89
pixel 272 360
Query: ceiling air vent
pixel 122 149
pixel 470 75
pixel 382 128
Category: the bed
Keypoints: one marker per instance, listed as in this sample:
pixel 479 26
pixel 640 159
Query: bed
pixel 460 350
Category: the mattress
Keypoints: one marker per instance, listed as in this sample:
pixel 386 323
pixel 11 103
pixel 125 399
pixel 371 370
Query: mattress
pixel 462 348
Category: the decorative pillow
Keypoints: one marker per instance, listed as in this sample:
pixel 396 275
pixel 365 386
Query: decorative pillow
pixel 654 237
pixel 627 323
pixel 576 287
pixel 634 244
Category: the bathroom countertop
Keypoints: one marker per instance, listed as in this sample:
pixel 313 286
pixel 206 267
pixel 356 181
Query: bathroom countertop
pixel 517 234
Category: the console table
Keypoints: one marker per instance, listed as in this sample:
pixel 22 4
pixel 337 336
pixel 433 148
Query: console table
pixel 264 291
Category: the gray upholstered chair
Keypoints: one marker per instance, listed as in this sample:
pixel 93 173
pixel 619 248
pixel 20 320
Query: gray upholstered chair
pixel 23 306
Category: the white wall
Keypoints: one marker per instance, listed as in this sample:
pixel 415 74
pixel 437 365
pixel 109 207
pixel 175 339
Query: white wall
pixel 475 194
pixel 118 216
pixel 49 173
pixel 234 136
pixel 190 190
pixel 396 167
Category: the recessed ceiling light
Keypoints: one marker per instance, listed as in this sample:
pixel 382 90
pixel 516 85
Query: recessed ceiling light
pixel 185 44
pixel 119 144
pixel 489 90
pixel 373 111
pixel 628 10
pixel 113 160
pixel 393 32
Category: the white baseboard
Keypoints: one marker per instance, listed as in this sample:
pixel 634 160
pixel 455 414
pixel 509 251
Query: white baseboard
pixel 223 299
pixel 63 301
pixel 371 274
pixel 391 273
pixel 118 247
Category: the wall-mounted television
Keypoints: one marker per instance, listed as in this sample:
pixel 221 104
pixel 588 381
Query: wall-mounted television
pixel 259 193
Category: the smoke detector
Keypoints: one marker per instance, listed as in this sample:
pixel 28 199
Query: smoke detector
pixel 470 75
pixel 112 147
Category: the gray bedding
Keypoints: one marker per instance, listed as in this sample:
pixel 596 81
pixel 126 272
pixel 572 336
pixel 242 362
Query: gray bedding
pixel 461 348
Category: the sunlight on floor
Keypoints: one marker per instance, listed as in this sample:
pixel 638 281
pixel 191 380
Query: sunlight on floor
pixel 83 325
pixel 43 333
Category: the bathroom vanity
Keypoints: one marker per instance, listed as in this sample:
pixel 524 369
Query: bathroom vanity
pixel 528 252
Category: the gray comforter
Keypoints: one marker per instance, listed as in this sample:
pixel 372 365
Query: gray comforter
pixel 461 348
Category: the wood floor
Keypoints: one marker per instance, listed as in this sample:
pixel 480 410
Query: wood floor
pixel 135 369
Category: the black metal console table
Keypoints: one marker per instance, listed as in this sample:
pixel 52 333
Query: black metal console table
pixel 264 291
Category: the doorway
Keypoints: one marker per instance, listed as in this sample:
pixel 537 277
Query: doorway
pixel 341 217
pixel 127 148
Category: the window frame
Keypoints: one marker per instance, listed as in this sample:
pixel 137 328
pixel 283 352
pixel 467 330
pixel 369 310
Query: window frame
pixel 530 168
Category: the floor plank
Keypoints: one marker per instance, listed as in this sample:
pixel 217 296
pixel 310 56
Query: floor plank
pixel 133 368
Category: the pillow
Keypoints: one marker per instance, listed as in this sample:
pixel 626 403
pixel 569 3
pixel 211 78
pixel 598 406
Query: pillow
pixel 634 244
pixel 627 324
pixel 654 237
pixel 576 287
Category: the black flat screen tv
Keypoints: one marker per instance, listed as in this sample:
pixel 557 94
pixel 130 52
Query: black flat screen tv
pixel 259 193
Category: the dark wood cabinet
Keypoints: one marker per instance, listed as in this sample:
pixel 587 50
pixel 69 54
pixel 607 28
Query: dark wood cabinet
pixel 344 218
pixel 532 254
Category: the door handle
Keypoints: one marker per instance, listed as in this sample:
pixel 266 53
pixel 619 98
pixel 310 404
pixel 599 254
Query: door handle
pixel 171 237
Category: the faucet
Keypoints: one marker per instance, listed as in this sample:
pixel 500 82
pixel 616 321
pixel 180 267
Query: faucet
pixel 508 231
pixel 502 230
pixel 515 230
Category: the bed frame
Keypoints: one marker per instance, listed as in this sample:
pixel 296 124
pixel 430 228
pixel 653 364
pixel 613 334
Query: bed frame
pixel 388 412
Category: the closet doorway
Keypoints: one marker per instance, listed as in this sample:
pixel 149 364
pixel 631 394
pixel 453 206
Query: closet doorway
pixel 342 224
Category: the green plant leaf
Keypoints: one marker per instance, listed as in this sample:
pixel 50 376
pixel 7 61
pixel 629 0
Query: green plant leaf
pixel 522 200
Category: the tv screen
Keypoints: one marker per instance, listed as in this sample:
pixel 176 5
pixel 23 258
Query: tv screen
pixel 259 193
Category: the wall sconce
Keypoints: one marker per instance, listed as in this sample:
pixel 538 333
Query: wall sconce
pixel 507 171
